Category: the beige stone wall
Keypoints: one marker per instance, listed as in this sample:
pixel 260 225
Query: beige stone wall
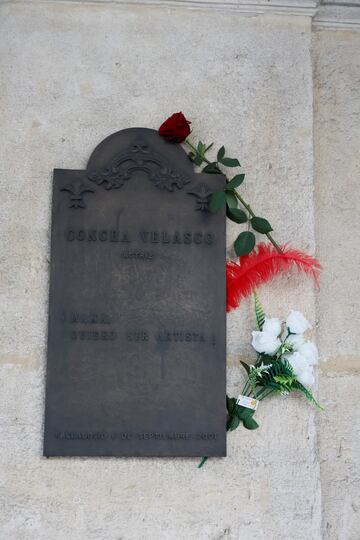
pixel 337 159
pixel 72 73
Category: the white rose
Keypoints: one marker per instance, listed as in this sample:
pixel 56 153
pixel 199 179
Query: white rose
pixel 266 343
pixel 272 326
pixel 296 323
pixel 295 340
pixel 302 370
pixel 297 362
pixel 309 351
pixel 306 377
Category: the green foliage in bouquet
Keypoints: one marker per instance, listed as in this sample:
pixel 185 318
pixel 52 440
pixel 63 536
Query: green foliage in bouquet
pixel 273 373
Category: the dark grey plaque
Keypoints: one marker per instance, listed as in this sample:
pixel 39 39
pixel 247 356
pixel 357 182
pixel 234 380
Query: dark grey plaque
pixel 136 341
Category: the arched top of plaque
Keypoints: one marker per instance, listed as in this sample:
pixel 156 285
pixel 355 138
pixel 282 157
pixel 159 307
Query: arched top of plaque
pixel 117 157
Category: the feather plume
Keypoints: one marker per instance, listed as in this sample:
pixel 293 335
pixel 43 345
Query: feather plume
pixel 261 266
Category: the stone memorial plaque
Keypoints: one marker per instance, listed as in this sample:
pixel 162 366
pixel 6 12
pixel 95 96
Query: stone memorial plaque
pixel 136 339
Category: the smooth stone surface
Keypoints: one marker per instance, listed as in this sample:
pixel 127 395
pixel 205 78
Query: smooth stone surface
pixel 337 141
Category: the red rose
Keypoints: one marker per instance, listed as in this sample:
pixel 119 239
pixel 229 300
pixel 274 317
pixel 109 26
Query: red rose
pixel 175 129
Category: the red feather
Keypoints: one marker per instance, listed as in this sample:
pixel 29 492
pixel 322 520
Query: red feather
pixel 262 265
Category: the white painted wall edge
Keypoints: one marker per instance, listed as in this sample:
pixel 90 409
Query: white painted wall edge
pixel 278 7
pixel 335 15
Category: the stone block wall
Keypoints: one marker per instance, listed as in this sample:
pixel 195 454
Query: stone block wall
pixel 278 84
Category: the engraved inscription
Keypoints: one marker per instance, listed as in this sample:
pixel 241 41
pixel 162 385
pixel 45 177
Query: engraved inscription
pixel 139 255
pixel 181 337
pixel 176 237
pixel 76 317
pixel 93 335
pixel 93 235
pixel 144 236
pixel 91 320
pixel 71 435
pixel 126 436
pixel 137 336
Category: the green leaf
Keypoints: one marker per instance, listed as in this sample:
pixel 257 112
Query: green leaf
pixel 221 153
pixel 201 147
pixel 245 366
pixel 259 312
pixel 237 215
pixel 307 394
pixel 212 168
pixel 244 243
pixel 231 200
pixel 230 404
pixel 236 181
pixel 285 382
pixel 243 412
pixel 229 162
pixel 280 370
pixel 261 225
pixel 233 423
pixel 217 201
pixel 250 423
pixel 198 160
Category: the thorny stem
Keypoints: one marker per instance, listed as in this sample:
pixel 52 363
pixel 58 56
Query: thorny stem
pixel 265 392
pixel 243 202
pixel 252 214
pixel 202 462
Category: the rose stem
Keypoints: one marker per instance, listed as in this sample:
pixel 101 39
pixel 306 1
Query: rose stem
pixel 244 203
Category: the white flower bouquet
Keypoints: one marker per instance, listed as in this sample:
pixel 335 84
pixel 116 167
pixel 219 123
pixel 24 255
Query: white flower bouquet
pixel 285 363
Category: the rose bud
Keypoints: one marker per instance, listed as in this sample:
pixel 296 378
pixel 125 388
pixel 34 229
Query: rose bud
pixel 175 129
